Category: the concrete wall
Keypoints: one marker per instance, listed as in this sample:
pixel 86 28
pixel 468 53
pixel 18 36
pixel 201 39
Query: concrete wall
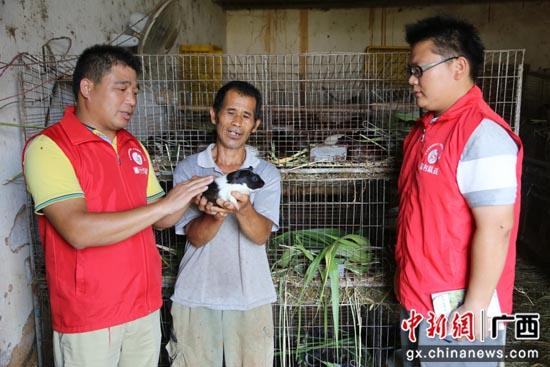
pixel 25 25
pixel 202 21
pixel 503 26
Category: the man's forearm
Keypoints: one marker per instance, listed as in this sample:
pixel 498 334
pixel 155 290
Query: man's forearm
pixel 487 262
pixel 254 225
pixel 489 251
pixel 202 230
pixel 84 229
pixel 169 220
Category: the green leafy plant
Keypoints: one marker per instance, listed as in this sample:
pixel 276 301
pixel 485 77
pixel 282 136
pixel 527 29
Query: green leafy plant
pixel 325 254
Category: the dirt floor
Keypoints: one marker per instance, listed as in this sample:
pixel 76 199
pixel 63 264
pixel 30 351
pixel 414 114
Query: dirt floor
pixel 531 294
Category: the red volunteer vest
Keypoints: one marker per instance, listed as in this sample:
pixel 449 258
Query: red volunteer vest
pixel 435 224
pixel 100 287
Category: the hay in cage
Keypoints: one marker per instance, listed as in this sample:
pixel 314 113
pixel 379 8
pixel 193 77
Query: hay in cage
pixel 342 172
pixel 365 291
pixel 327 268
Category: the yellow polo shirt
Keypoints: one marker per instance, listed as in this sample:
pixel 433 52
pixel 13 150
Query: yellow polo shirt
pixel 51 178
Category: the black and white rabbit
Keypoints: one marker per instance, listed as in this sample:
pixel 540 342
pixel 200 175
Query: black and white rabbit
pixel 244 181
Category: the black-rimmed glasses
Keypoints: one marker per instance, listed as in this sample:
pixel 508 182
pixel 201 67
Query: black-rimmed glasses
pixel 418 70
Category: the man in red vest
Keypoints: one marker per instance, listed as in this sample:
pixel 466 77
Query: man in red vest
pixel 97 200
pixel 459 192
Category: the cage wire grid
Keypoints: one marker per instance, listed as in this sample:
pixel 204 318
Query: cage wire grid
pixel 333 124
pixel 367 337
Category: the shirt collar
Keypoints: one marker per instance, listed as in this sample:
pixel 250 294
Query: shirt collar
pixel 100 134
pixel 205 159
pixel 79 133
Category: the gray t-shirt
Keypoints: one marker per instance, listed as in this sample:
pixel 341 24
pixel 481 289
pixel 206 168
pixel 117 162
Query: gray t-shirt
pixel 230 272
pixel 486 173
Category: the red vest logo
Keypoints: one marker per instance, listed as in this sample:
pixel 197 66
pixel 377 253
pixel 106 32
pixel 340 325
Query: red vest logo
pixel 432 155
pixel 135 156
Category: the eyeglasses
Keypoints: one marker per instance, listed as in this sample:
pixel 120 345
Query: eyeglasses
pixel 418 70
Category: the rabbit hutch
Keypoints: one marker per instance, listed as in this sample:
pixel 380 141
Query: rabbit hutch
pixel 332 124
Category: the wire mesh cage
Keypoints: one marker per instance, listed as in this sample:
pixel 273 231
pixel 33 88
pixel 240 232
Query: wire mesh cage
pixel 320 110
pixel 501 82
pixel 340 209
pixel 367 336
pixel 329 265
pixel 333 124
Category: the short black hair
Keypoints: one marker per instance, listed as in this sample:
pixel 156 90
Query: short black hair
pixel 451 37
pixel 244 89
pixel 96 61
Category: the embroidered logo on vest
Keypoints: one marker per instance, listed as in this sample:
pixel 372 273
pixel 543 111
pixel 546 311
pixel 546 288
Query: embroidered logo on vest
pixel 135 156
pixel 431 157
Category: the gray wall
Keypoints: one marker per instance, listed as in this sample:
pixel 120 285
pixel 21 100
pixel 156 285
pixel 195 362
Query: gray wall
pixel 520 24
pixel 202 21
